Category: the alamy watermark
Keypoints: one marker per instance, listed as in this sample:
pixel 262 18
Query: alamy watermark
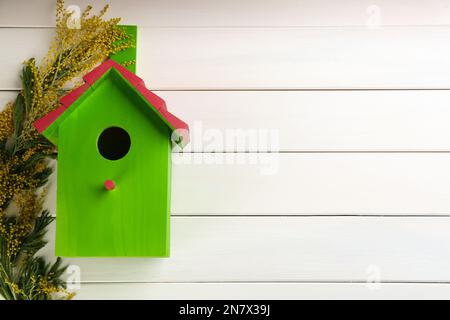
pixel 74 21
pixel 73 278
pixel 374 17
pixel 212 146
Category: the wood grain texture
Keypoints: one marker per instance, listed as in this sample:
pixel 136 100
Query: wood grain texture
pixel 252 13
pixel 297 58
pixel 269 58
pixel 271 291
pixel 253 184
pixel 308 184
pixel 23 44
pixel 315 120
pixel 274 249
pixel 310 120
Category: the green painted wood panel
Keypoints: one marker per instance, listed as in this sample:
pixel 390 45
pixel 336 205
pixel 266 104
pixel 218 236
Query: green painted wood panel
pixel 133 219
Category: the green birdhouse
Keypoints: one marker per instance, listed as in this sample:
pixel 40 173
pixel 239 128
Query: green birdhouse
pixel 114 139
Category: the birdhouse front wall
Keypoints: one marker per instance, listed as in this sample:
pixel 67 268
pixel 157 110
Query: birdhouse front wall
pixel 132 218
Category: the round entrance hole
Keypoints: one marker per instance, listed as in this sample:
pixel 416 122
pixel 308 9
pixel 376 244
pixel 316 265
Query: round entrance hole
pixel 114 143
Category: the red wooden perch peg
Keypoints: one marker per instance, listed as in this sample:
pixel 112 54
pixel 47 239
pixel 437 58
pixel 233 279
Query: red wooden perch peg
pixel 109 185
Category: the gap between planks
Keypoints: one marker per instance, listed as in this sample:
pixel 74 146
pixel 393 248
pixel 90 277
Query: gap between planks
pixel 273 89
pixel 387 26
pixel 316 215
pixel 270 282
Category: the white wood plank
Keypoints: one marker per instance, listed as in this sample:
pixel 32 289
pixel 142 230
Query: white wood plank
pixel 274 249
pixel 287 58
pixel 375 184
pixel 5 97
pixel 295 58
pixel 271 291
pixel 311 120
pixel 315 120
pixel 308 184
pixel 199 13
pixel 21 44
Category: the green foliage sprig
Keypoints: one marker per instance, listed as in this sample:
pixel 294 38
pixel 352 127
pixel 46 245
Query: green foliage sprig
pixel 25 154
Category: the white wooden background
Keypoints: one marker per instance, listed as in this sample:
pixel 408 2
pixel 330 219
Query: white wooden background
pixel 358 93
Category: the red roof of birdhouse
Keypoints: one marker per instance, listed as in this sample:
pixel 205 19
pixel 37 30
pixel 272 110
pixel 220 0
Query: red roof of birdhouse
pixel 158 104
